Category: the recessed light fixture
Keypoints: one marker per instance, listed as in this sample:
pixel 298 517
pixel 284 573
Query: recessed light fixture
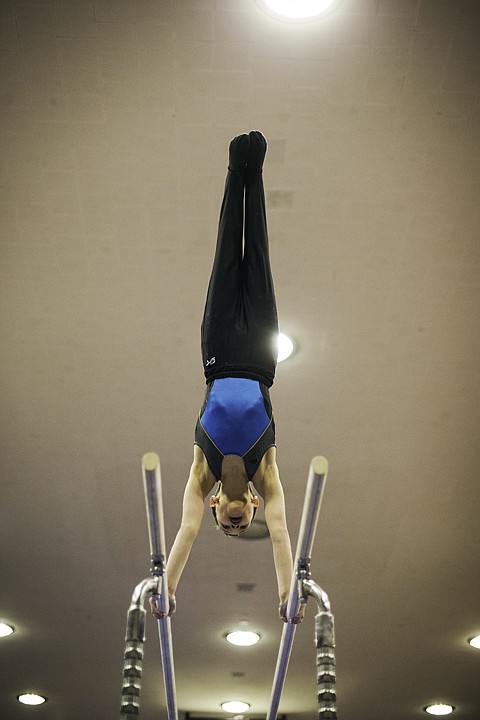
pixel 235 706
pixel 285 347
pixel 31 699
pixel 475 641
pixel 439 709
pixel 243 638
pixel 5 629
pixel 296 9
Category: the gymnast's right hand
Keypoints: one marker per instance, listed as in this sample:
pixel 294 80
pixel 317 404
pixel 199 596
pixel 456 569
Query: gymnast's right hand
pixel 172 606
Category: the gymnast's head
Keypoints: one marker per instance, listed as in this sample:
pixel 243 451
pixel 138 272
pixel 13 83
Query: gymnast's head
pixel 233 517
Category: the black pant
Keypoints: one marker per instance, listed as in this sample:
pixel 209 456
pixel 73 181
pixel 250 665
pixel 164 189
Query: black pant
pixel 240 325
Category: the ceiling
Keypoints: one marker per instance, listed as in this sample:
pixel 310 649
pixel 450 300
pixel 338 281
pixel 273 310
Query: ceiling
pixel 115 122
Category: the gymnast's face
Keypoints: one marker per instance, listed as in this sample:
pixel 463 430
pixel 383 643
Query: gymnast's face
pixel 234 518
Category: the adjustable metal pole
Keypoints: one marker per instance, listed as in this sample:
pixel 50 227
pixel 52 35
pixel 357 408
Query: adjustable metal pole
pixel 326 675
pixel 156 531
pixel 157 586
pixel 133 655
pixel 308 524
pixel 325 644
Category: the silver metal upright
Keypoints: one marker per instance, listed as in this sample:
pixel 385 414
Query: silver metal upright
pixel 325 644
pixel 298 595
pixel 152 482
pixel 157 587
pixel 133 654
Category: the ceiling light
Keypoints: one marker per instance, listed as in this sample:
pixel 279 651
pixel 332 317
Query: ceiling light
pixel 31 699
pixel 439 709
pixel 285 347
pixel 475 642
pixel 243 637
pixel 5 630
pixel 235 706
pixel 297 9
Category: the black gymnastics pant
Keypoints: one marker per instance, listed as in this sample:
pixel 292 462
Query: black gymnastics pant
pixel 240 324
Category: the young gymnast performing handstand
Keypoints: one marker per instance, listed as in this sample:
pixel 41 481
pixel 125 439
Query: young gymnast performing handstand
pixel 234 452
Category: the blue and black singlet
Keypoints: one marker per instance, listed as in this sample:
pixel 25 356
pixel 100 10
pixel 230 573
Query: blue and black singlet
pixel 236 419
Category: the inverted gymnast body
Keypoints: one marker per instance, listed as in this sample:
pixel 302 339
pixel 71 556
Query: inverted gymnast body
pixel 234 451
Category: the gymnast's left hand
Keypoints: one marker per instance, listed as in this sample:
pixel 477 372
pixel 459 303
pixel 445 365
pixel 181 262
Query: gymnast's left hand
pixel 282 611
pixel 299 618
pixel 172 606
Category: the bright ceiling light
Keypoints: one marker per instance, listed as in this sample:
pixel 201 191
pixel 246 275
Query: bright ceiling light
pixel 5 630
pixel 285 347
pixel 31 699
pixel 298 9
pixel 243 637
pixel 439 709
pixel 235 706
pixel 475 642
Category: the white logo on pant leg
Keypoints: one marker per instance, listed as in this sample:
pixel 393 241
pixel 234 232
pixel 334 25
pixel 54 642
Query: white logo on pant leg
pixel 210 362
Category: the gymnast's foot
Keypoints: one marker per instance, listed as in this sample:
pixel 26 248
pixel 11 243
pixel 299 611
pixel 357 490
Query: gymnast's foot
pixel 238 154
pixel 256 155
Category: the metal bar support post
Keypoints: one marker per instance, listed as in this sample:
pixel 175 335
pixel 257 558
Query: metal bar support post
pixel 325 644
pixel 157 586
pixel 298 591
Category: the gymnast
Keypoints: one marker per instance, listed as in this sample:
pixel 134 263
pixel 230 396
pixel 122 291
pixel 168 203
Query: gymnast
pixel 234 452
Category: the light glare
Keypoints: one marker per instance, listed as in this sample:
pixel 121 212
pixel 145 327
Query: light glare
pixel 439 709
pixel 243 638
pixel 285 347
pixel 475 642
pixel 5 630
pixel 31 699
pixel 235 706
pixel 298 8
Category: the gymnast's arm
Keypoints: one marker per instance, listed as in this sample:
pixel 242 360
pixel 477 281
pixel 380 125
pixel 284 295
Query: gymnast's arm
pixel 196 490
pixel 277 526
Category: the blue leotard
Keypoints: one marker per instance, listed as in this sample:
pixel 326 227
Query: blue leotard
pixel 236 419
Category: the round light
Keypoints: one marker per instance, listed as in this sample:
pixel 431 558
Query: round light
pixel 439 709
pixel 243 637
pixel 235 706
pixel 285 347
pixel 475 642
pixel 298 9
pixel 31 699
pixel 5 630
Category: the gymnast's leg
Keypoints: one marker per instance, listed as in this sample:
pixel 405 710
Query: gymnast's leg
pixel 259 294
pixel 224 297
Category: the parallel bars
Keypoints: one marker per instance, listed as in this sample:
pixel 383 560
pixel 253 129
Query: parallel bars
pixel 302 587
